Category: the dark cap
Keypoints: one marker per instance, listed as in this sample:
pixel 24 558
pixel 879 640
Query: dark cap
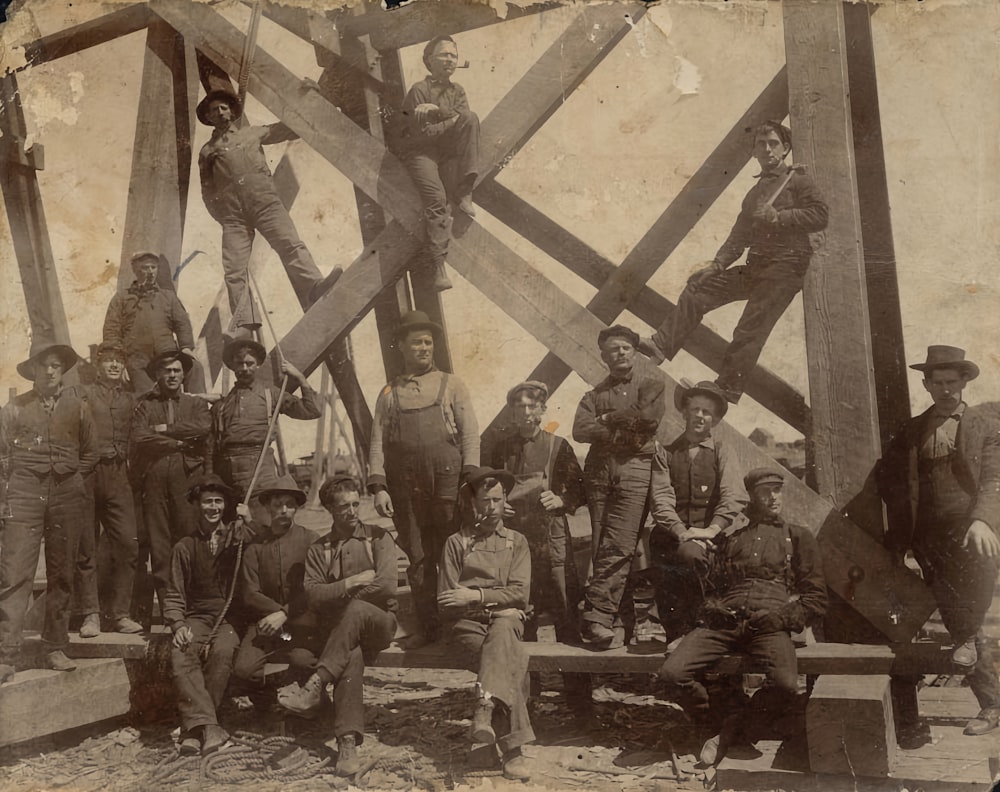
pixel 528 385
pixel 618 331
pixel 481 474
pixel 761 475
pixel 107 347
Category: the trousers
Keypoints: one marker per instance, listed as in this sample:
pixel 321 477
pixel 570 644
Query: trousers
pixel 768 291
pixel 679 577
pixel 41 506
pixel 617 495
pixel 495 652
pixel 108 505
pixel 201 685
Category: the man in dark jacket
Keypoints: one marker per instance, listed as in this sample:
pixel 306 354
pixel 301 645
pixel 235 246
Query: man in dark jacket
pixel 619 419
pixel 109 501
pixel 169 429
pixel 775 222
pixel 149 319
pixel 940 480
pixel 770 584
pixel 48 445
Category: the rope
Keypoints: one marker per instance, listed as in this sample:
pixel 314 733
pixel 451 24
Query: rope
pixel 249 50
pixel 207 646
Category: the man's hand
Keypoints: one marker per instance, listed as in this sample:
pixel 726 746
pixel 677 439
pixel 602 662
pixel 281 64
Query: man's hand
pixel 242 510
pixel 700 276
pixel 183 637
pixel 360 580
pixel 383 503
pixel 509 511
pixel 188 351
pixel 424 112
pixel 550 501
pixel 766 213
pixel 981 539
pixel 272 623
pixel 458 597
pixel 291 371
pixel 698 534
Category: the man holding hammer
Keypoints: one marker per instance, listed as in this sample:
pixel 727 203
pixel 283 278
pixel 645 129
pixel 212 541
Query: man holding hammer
pixel 775 222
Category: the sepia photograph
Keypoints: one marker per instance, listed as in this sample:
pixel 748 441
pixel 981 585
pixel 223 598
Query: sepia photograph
pixel 500 394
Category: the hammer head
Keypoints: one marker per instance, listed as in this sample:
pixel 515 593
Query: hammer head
pixel 797 168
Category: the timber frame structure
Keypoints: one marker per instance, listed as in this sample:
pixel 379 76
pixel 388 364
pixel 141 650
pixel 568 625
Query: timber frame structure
pixel 828 90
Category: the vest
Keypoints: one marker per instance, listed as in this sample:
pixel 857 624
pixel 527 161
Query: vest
pixel 695 482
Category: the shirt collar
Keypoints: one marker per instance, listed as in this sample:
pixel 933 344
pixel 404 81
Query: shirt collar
pixel 614 379
pixel 411 377
pixel 501 530
pixel 54 397
pixel 957 413
pixel 444 82
pixel 781 170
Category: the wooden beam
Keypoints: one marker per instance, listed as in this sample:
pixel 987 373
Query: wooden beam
pixel 26 217
pixel 845 431
pixel 888 354
pixel 763 385
pixel 102 29
pixel 161 152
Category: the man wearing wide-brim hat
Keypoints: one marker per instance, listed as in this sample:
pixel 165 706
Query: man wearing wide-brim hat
pixel 169 432
pixel 239 192
pixel 48 444
pixel 240 418
pixel 696 492
pixel 424 435
pixel 109 501
pixel 149 318
pixel 940 479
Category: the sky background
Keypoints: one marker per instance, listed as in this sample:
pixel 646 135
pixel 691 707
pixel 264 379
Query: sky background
pixel 605 166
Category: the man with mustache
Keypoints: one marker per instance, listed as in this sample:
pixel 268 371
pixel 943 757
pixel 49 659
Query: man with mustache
pixel 48 445
pixel 424 437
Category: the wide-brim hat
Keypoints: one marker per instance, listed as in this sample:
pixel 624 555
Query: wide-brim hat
pixel 762 475
pixel 255 349
pixel 210 482
pixel 479 475
pixel 219 93
pixel 285 485
pixel 416 320
pixel 941 356
pixel 685 390
pixel 168 356
pixel 26 368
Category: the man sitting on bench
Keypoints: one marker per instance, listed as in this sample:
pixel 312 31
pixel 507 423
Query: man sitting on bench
pixel 770 584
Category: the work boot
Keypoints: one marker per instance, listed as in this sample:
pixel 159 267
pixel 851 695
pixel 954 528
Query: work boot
pixel 127 626
pixel 965 655
pixel 482 723
pixel 716 747
pixel 515 766
pixel 986 721
pixel 597 635
pixel 733 395
pixel 465 205
pixel 213 738
pixel 441 281
pixel 649 348
pixel 348 760
pixel 58 661
pixel 6 672
pixel 913 735
pixel 304 701
pixel 91 626
pixel 189 746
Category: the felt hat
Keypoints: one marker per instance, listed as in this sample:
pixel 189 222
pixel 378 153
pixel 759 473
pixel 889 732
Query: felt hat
pixel 284 485
pixel 66 354
pixel 210 482
pixel 940 356
pixel 479 475
pixel 416 320
pixel 761 475
pixel 168 356
pixel 618 331
pixel 528 385
pixel 255 349
pixel 219 93
pixel 685 390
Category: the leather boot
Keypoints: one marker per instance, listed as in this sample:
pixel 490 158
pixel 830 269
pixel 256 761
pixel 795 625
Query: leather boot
pixel 348 760
pixel 304 701
pixel 91 626
pixel 515 766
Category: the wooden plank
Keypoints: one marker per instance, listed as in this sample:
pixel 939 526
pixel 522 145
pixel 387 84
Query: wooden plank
pixel 845 432
pixel 39 702
pixel 857 567
pixel 707 346
pixel 26 216
pixel 888 354
pixel 623 284
pixel 100 30
pixel 161 152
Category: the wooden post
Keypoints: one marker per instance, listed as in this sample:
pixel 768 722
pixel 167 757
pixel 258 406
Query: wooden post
pixel 161 153
pixel 26 216
pixel 845 431
pixel 317 465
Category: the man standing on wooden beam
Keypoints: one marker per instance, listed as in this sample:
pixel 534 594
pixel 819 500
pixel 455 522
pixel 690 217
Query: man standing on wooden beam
pixel 619 418
pixel 239 192
pixel 439 141
pixel 424 438
pixel 940 479
pixel 48 445
pixel 776 221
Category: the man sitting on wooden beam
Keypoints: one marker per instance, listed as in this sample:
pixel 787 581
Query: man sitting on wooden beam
pixel 775 222
pixel 619 418
pixel 439 141
pixel 940 480
pixel 483 592
pixel 770 584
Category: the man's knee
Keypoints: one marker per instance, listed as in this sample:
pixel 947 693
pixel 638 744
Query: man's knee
pixel 693 554
pixel 249 664
pixel 785 680
pixel 673 674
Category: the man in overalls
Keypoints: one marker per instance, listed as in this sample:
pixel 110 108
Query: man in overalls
pixel 240 418
pixel 424 436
